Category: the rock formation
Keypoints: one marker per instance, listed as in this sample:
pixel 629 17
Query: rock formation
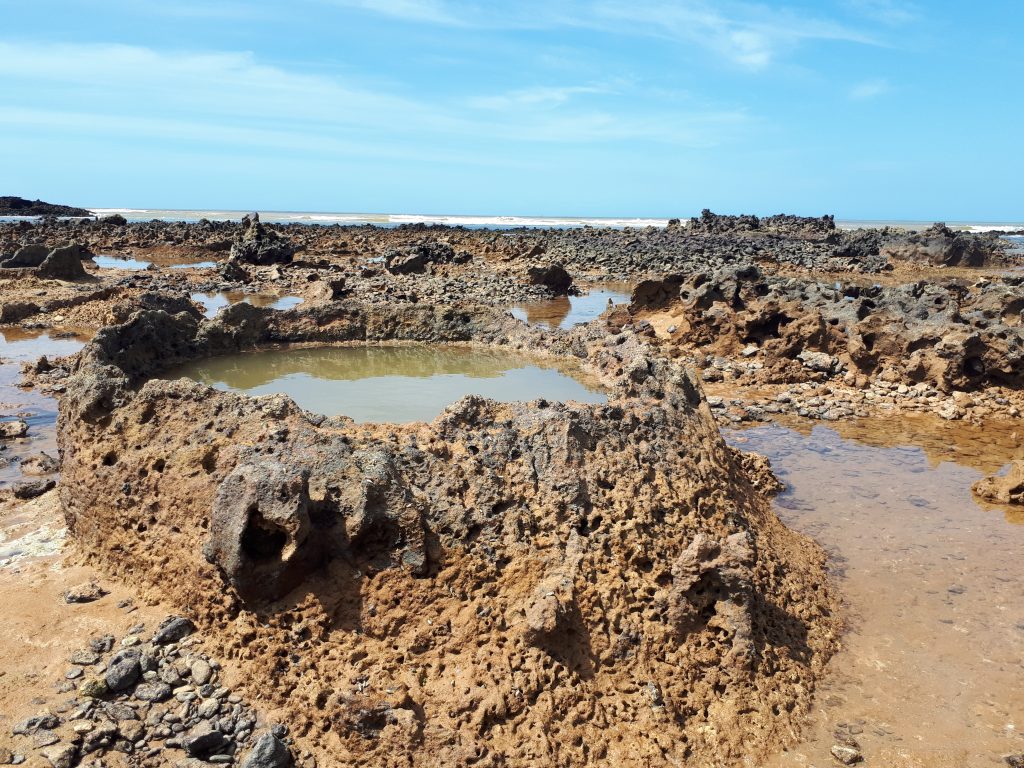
pixel 256 244
pixel 521 585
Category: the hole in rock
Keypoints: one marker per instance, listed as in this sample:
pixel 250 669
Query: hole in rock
pixel 262 540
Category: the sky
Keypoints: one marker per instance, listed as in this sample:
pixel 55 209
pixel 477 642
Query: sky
pixel 868 109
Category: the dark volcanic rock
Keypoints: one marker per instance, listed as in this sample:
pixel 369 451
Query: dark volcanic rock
pixel 19 206
pixel 553 277
pixel 269 752
pixel 260 245
pixel 414 259
pixel 173 629
pixel 30 489
pixel 63 264
pixel 123 670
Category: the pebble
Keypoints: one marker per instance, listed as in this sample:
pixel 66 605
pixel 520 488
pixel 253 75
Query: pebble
pixel 846 755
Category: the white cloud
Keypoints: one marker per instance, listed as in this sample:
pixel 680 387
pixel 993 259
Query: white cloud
pixel 538 96
pixel 869 89
pixel 228 97
pixel 750 35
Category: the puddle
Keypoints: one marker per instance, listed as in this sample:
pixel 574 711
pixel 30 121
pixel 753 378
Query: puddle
pixel 567 311
pixel 194 265
pixel 113 262
pixel 389 384
pixel 22 345
pixel 931 672
pixel 213 303
pixel 17 346
pixel 39 411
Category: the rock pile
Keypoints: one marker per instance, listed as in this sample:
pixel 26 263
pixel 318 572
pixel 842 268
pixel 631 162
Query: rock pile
pixel 415 259
pixel 158 702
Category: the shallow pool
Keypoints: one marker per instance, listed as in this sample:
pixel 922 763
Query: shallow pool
pixel 393 384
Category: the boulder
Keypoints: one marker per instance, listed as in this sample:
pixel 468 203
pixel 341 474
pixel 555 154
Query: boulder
pixel 414 259
pixel 63 264
pixel 12 429
pixel 553 277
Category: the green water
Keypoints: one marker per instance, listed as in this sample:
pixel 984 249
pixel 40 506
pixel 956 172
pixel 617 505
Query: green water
pixel 392 384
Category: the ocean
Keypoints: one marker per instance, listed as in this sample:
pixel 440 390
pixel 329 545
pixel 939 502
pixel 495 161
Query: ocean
pixel 480 222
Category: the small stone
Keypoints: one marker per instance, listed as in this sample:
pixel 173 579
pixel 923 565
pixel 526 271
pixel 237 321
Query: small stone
pixel 846 755
pixel 61 756
pixel 44 738
pixel 269 752
pixel 204 740
pixel 208 708
pixel 201 672
pixel 131 730
pixel 119 712
pixel 73 673
pixel 93 688
pixel 84 593
pixel 123 670
pixel 84 658
pixel 153 692
pixel 34 724
pixel 102 644
pixel 172 629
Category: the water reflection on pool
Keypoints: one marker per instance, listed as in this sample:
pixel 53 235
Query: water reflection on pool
pixel 393 384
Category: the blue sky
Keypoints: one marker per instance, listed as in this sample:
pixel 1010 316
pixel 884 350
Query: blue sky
pixel 865 108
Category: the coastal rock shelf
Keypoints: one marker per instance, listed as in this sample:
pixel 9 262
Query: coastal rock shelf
pixel 520 584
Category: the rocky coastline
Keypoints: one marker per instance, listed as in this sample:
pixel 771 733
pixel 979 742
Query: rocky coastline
pixel 429 594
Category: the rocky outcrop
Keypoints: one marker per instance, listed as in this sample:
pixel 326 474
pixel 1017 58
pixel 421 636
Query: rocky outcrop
pixel 258 244
pixel 64 263
pixel 941 246
pixel 782 224
pixel 944 334
pixel 613 562
pixel 19 206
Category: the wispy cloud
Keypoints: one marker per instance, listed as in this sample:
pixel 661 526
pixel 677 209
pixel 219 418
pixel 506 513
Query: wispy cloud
pixel 226 97
pixel 892 12
pixel 538 96
pixel 869 89
pixel 750 35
